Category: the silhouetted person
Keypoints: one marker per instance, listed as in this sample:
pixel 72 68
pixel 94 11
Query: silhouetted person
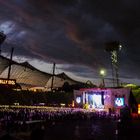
pixel 125 121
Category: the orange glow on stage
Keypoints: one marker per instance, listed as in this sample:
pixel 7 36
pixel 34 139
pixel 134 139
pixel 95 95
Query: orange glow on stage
pixel 138 108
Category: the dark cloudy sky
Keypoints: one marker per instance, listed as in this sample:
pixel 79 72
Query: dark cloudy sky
pixel 73 34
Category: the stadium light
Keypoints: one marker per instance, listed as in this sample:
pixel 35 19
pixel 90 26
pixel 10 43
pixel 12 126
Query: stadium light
pixel 102 74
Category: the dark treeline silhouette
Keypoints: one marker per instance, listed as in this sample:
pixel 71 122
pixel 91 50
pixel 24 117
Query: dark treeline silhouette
pixel 34 98
pixel 25 97
pixel 69 88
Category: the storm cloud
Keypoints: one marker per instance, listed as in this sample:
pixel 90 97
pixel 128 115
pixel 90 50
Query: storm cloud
pixel 73 32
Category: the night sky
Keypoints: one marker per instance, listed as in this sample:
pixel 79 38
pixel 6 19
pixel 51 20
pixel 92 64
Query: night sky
pixel 73 33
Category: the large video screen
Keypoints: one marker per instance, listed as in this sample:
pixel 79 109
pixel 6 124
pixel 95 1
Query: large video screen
pixel 119 101
pixel 95 101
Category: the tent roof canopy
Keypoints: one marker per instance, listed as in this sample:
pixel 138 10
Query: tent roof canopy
pixel 28 76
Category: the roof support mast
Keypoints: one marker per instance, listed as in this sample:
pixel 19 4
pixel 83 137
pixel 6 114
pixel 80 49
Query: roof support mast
pixel 53 76
pixel 10 63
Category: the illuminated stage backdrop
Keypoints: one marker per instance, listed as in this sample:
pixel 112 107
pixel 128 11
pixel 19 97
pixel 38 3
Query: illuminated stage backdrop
pixel 105 99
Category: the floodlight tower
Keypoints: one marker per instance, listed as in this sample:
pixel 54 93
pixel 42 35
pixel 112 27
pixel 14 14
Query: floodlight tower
pixel 2 38
pixel 113 48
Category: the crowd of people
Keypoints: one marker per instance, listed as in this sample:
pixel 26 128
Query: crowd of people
pixel 15 117
pixel 19 119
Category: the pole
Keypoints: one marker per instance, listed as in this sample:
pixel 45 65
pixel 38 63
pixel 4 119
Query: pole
pixel 10 62
pixel 102 74
pixel 53 76
pixel 117 73
pixel 113 80
pixel 103 80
